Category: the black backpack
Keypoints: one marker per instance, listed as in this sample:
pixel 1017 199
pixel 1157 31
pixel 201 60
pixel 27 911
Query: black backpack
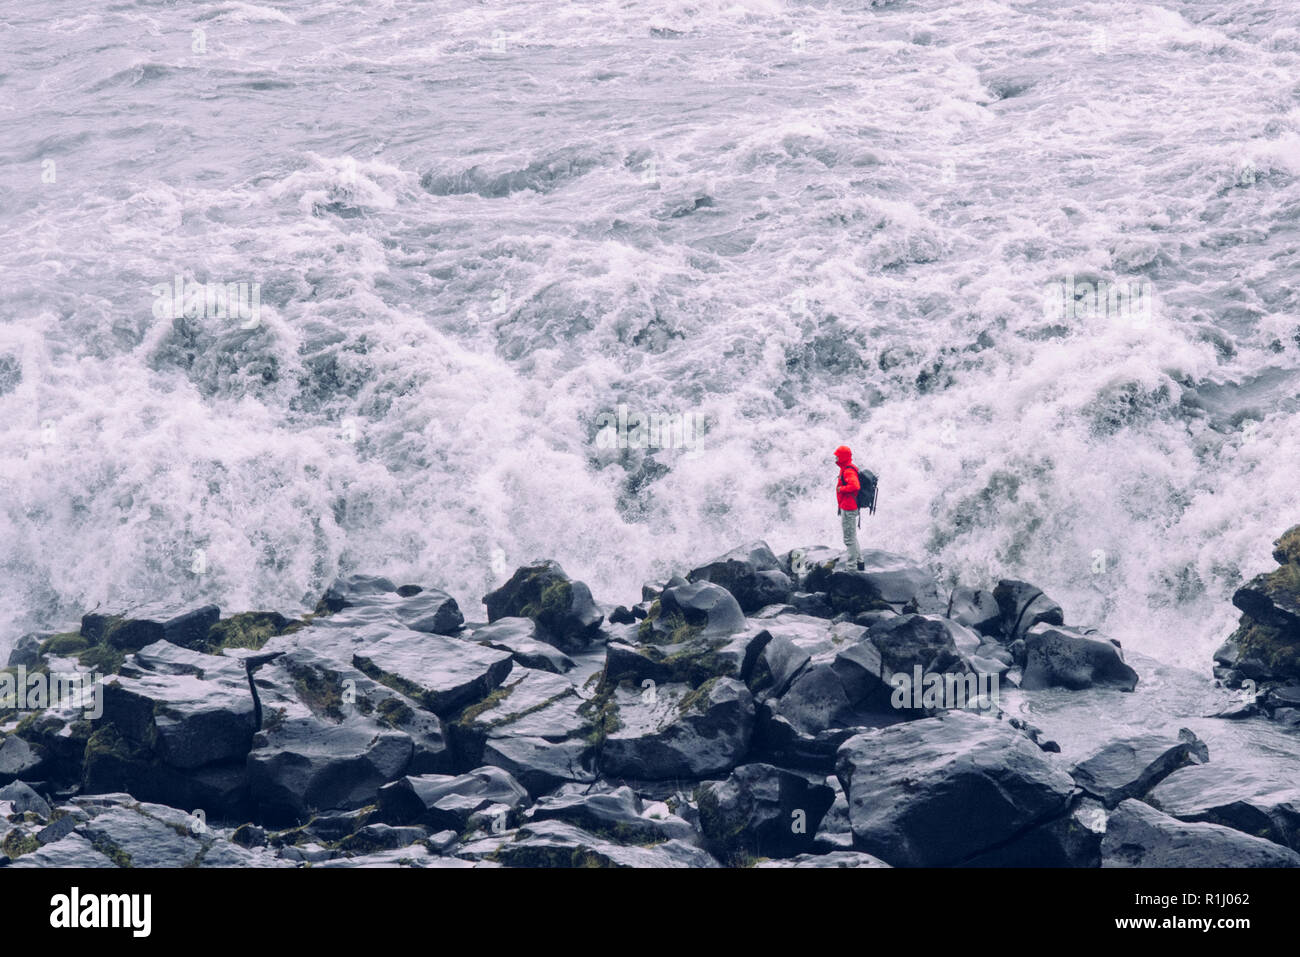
pixel 867 483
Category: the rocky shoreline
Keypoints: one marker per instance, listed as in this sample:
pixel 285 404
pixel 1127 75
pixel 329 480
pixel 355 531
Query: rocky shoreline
pixel 762 710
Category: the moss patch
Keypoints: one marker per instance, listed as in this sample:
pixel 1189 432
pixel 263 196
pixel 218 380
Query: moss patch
pixel 18 842
pixel 394 712
pixel 251 629
pixel 491 701
pixel 1268 645
pixel 68 643
pixel 698 698
pixel 103 659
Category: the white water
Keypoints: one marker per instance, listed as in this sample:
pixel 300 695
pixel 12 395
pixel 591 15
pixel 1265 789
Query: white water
pixel 464 262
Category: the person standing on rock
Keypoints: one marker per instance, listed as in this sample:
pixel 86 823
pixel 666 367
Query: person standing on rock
pixel 846 496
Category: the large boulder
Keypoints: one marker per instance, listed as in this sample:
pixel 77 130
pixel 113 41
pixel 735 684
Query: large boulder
pixel 1022 606
pixel 939 791
pixel 908 642
pixel 1072 839
pixel 762 811
pixel 1137 835
pixel 676 731
pixel 305 763
pixel 1064 658
pixel 751 573
pixel 1130 768
pixel 1251 800
pixel 563 607
pixel 174 739
pixel 333 691
pixel 702 609
pixel 691 657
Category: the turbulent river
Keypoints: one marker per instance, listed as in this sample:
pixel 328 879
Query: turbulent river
pixel 475 230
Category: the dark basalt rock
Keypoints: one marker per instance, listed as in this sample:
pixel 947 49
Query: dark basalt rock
pixel 1071 840
pixel 522 638
pixel 1254 802
pixel 910 641
pixel 1022 606
pixel 677 732
pixel 19 760
pixel 942 790
pixel 444 801
pixel 762 811
pixel 443 674
pixel 1265 648
pixel 430 610
pixel 131 630
pixel 889 582
pixel 751 573
pixel 702 609
pixel 26 651
pixel 1137 835
pixel 976 608
pixel 1062 657
pixel 354 590
pixel 564 608
pixel 1130 768
pixel 617 815
pixel 532 726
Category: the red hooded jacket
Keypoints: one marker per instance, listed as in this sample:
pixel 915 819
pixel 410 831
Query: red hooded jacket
pixel 846 489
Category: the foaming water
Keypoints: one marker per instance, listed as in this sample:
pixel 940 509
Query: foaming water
pixel 477 229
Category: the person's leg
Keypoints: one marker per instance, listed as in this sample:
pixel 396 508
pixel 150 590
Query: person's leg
pixel 849 521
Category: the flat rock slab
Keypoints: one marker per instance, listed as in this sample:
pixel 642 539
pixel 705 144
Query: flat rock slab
pixel 888 581
pixel 442 673
pixel 522 638
pixel 934 792
pixel 1129 768
pixel 1137 835
pixel 1251 801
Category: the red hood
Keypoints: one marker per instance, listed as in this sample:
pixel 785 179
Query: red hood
pixel 843 455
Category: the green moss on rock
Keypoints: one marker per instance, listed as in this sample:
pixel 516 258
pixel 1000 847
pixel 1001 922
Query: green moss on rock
pixel 68 643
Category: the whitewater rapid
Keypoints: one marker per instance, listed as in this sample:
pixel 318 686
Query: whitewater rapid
pixel 479 228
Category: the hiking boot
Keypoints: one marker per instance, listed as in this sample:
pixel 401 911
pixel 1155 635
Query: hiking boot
pixel 862 566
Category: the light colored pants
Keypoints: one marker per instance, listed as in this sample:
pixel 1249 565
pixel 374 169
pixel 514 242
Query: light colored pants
pixel 849 522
